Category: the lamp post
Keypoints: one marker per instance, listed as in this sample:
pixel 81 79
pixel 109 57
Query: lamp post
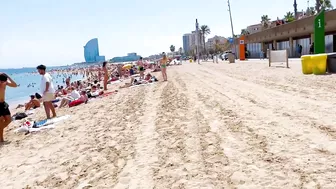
pixel 197 42
pixel 234 45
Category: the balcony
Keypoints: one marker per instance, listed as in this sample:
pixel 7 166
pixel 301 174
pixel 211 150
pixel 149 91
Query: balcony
pixel 297 29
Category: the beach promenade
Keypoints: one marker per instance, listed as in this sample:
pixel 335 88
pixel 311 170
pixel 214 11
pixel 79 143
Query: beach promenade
pixel 241 125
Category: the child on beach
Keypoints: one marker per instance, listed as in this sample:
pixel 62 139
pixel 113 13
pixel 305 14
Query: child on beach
pixel 5 115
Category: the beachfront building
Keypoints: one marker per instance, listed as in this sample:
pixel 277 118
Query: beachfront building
pixel 290 35
pixel 91 52
pixel 129 58
pixel 210 44
pixel 187 42
pixel 254 28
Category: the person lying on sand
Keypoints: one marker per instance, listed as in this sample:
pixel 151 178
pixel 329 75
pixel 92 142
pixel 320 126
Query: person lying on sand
pixel 33 103
pixel 81 100
pixel 95 91
pixel 74 95
pixel 128 84
pixel 84 98
pixel 5 115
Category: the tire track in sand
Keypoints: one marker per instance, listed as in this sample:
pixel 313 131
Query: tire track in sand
pixel 145 146
pixel 279 162
pixel 205 156
pixel 171 171
pixel 103 157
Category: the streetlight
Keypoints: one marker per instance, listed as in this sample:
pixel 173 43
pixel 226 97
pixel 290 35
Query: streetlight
pixel 234 46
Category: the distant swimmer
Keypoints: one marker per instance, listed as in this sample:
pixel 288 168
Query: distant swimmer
pixel 67 82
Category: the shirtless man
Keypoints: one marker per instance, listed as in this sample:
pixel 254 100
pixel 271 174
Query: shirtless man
pixel 33 103
pixel 5 115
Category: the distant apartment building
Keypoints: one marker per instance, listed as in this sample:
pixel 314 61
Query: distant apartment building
pixel 189 42
pixel 130 57
pixel 186 42
pixel 212 41
pixel 91 52
pixel 254 28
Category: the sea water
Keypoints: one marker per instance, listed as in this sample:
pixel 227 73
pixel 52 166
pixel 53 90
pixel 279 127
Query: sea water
pixel 30 82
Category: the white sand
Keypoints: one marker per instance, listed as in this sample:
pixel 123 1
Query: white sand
pixel 210 126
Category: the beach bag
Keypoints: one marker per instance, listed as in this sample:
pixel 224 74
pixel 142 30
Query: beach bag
pixel 19 116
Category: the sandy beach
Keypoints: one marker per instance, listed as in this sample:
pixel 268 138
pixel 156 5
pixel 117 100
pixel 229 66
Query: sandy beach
pixel 241 125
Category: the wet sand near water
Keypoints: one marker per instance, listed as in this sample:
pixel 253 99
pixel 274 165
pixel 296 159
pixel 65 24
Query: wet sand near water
pixel 241 125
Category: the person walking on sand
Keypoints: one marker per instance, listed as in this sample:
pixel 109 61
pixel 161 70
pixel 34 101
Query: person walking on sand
pixel 141 68
pixel 47 89
pixel 5 115
pixel 106 76
pixel 164 66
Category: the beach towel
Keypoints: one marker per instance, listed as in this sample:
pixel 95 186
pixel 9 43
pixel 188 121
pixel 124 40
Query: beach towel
pixel 107 94
pixel 30 112
pixel 39 125
pixel 115 82
pixel 142 84
pixel 75 103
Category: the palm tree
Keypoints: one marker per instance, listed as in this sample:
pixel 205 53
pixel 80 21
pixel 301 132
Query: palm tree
pixel 289 17
pixel 323 4
pixel 244 32
pixel 211 51
pixel 180 50
pixel 205 30
pixel 217 46
pixel 172 49
pixel 265 21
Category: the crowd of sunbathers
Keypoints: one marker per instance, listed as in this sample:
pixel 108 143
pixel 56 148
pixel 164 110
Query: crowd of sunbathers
pixel 79 92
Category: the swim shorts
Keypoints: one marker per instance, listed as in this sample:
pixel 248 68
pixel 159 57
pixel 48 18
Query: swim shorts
pixel 48 97
pixel 4 109
pixel 141 68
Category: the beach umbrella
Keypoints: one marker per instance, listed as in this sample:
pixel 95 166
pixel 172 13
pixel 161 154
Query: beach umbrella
pixel 127 66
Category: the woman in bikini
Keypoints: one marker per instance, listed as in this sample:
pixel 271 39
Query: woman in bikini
pixel 164 66
pixel 141 68
pixel 105 75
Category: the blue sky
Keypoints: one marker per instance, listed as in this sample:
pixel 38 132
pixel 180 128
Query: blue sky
pixel 53 32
